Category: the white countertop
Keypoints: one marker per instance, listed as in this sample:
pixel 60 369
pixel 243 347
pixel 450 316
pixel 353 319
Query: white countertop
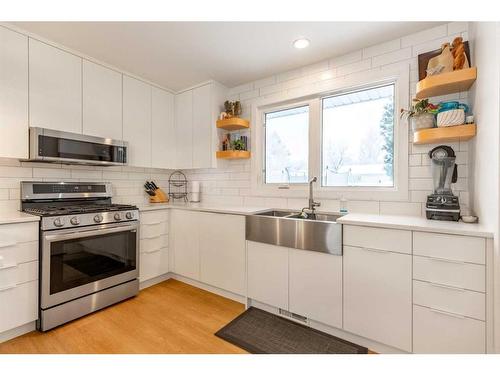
pixel 417 223
pixel 9 217
pixel 217 208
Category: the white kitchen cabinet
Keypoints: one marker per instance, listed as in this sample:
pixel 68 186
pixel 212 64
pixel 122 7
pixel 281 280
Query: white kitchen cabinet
pixel 55 88
pixel 222 251
pixel 267 279
pixel 13 94
pixel 377 295
pixel 102 101
pixel 163 141
pixel 154 244
pixel 315 286
pixel 203 127
pixel 137 121
pixel 441 332
pixel 185 243
pixel 18 274
pixel 184 130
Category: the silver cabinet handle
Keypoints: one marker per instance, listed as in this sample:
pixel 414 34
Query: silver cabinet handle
pixel 447 260
pixel 375 250
pixel 456 288
pixel 447 313
pixel 8 244
pixel 7 287
pixel 154 223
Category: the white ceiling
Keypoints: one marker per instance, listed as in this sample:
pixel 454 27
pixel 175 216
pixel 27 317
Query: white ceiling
pixel 181 54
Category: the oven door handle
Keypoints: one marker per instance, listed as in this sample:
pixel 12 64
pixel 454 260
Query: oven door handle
pixel 89 233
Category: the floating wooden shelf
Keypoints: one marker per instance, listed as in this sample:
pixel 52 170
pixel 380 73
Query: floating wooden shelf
pixel 233 123
pixel 233 154
pixel 443 135
pixel 446 83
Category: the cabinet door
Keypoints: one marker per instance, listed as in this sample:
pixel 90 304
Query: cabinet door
pixel 185 243
pixel 163 131
pixel 203 127
pixel 267 267
pixel 13 94
pixel 55 91
pixel 184 130
pixel 102 101
pixel 316 286
pixel 222 251
pixel 377 295
pixel 137 121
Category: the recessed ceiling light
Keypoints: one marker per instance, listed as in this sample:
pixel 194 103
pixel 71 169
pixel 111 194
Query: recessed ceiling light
pixel 301 43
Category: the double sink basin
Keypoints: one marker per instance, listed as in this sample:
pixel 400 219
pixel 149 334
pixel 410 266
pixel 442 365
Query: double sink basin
pixel 319 232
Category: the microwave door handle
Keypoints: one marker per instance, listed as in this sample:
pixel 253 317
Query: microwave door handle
pixel 88 233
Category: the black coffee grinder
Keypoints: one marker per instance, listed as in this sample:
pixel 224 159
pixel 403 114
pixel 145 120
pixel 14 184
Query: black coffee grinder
pixel 442 204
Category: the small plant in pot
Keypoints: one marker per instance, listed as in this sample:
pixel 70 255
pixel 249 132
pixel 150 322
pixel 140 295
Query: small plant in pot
pixel 238 145
pixel 421 114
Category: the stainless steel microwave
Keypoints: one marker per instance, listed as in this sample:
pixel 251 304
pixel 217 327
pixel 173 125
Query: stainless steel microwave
pixel 71 148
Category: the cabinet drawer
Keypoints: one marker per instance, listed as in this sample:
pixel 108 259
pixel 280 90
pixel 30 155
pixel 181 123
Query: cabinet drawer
pixel 154 230
pixel 22 303
pixel 153 264
pixel 12 274
pixel 153 244
pixel 10 234
pixel 462 248
pixel 154 217
pixel 376 238
pixel 436 332
pixel 19 253
pixel 454 273
pixel 453 300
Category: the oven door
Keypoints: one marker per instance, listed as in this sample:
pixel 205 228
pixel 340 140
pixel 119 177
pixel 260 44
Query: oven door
pixel 80 262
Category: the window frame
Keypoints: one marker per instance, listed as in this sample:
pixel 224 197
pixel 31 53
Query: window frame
pixel 313 95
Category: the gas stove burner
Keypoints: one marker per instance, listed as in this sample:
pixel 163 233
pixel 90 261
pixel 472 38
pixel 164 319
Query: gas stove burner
pixel 79 209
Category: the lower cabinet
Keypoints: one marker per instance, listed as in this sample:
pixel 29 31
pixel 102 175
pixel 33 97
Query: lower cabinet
pixel 222 251
pixel 153 260
pixel 210 248
pixel 267 268
pixel 185 243
pixel 303 282
pixel 18 275
pixel 377 295
pixel 315 282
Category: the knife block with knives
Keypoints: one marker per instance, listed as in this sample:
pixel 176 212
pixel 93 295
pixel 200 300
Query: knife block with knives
pixel 156 195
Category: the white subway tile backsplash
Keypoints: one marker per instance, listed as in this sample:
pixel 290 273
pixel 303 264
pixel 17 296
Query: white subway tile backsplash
pixel 354 67
pixel 391 57
pixel 264 82
pixel 346 59
pixel 425 35
pixel 382 48
pixel 400 208
pixel 55 173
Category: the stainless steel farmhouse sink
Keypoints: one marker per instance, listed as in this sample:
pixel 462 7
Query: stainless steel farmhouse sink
pixel 319 232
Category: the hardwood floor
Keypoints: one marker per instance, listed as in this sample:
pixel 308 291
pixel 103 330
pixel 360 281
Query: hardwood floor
pixel 170 317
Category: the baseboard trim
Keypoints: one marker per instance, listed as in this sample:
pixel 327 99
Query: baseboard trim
pixel 209 288
pixel 154 280
pixel 18 331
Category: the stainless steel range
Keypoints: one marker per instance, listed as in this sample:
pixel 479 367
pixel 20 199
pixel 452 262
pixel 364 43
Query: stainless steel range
pixel 89 248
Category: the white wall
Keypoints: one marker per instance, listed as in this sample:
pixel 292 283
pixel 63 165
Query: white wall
pixel 485 149
pixel 230 183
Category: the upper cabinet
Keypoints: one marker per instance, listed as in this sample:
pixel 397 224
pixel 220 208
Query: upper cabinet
pixel 196 112
pixel 13 94
pixel 184 130
pixel 137 121
pixel 162 127
pixel 55 92
pixel 102 101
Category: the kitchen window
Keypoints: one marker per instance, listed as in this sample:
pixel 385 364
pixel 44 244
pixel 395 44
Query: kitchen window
pixel 287 148
pixel 346 133
pixel 358 138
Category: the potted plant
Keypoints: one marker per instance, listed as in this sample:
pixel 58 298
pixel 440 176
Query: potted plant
pixel 421 114
pixel 238 145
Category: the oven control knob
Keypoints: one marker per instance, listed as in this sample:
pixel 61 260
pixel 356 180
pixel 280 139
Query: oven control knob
pixel 129 215
pixel 98 218
pixel 117 216
pixel 75 220
pixel 58 222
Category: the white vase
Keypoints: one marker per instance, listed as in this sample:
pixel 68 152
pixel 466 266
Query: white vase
pixel 422 121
